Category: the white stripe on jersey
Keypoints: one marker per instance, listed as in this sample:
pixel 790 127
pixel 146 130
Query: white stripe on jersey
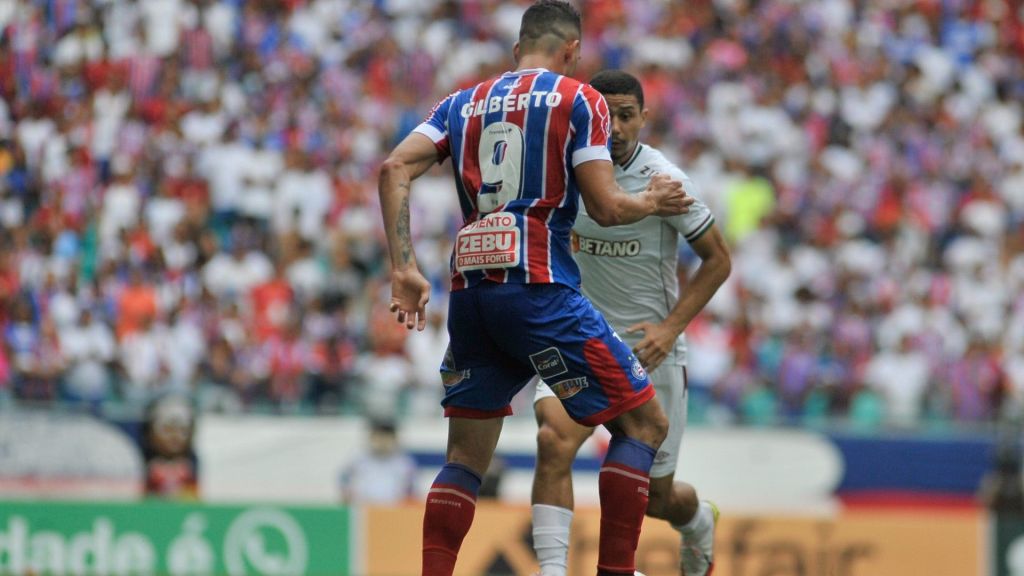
pixel 470 197
pixel 565 151
pixel 547 226
pixel 589 153
pixel 429 131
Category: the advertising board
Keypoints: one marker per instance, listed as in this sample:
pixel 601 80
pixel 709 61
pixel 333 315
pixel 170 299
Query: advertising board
pixel 172 539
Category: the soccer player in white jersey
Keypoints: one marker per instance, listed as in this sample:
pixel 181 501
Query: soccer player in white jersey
pixel 629 273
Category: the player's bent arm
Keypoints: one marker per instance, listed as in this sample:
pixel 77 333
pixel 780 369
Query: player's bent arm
pixel 409 160
pixel 609 205
pixel 410 291
pixel 715 267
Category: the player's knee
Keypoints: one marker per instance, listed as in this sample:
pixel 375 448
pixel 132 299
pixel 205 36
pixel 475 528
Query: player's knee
pixel 554 447
pixel 672 501
pixel 686 498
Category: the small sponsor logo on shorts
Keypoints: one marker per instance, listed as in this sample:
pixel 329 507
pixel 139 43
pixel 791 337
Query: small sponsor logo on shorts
pixel 660 457
pixel 548 363
pixel 453 377
pixel 638 371
pixel 569 388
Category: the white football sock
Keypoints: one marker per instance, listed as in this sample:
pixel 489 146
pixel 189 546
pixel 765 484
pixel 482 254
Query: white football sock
pixel 551 538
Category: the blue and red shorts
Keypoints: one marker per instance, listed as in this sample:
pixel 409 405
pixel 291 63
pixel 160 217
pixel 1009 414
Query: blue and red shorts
pixel 504 334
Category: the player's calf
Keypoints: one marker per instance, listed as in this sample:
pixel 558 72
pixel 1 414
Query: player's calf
pixel 451 505
pixel 674 502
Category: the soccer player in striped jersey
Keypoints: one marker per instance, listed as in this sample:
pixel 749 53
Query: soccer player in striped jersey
pixel 629 273
pixel 525 147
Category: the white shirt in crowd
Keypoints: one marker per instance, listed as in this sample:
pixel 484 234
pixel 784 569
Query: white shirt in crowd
pixel 260 171
pixel 143 360
pixel 301 202
pixel 87 350
pixel 901 377
pixel 307 277
pixel 384 479
pixel 225 274
pixel 223 165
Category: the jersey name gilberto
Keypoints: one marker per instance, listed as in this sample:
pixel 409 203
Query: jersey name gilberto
pixel 511 103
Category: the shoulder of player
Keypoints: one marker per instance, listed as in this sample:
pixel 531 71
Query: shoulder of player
pixel 451 101
pixel 578 88
pixel 653 160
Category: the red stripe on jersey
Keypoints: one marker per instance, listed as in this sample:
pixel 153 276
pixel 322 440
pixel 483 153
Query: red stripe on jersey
pixel 517 117
pixel 442 148
pixel 555 179
pixel 600 123
pixel 558 137
pixel 471 178
pixel 458 281
pixel 470 169
pixel 538 243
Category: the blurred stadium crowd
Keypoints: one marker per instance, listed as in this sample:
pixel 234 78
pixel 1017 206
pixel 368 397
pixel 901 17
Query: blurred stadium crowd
pixel 188 197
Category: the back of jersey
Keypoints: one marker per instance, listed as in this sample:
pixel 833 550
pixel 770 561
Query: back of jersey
pixel 514 141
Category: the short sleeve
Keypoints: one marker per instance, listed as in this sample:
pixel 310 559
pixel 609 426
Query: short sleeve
pixel 591 125
pixel 435 126
pixel 698 220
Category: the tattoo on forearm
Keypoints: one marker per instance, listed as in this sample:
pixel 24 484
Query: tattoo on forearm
pixel 404 233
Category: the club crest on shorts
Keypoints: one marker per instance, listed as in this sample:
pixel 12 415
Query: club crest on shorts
pixel 548 363
pixel 638 371
pixel 569 388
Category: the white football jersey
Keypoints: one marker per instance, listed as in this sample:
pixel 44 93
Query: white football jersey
pixel 629 272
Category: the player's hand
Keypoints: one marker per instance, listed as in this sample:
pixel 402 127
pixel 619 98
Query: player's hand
pixel 655 346
pixel 669 197
pixel 410 292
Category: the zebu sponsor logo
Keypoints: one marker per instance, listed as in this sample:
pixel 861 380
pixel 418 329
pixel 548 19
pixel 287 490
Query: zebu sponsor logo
pixel 491 242
pixel 479 250
pixel 597 247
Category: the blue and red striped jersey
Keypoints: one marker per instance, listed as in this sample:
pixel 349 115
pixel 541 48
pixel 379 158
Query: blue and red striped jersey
pixel 514 141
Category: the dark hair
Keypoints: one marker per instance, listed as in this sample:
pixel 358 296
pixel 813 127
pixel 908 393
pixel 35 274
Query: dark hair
pixel 617 82
pixel 548 17
pixel 385 425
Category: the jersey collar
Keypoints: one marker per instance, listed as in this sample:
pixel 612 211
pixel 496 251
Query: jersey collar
pixel 525 71
pixel 632 157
